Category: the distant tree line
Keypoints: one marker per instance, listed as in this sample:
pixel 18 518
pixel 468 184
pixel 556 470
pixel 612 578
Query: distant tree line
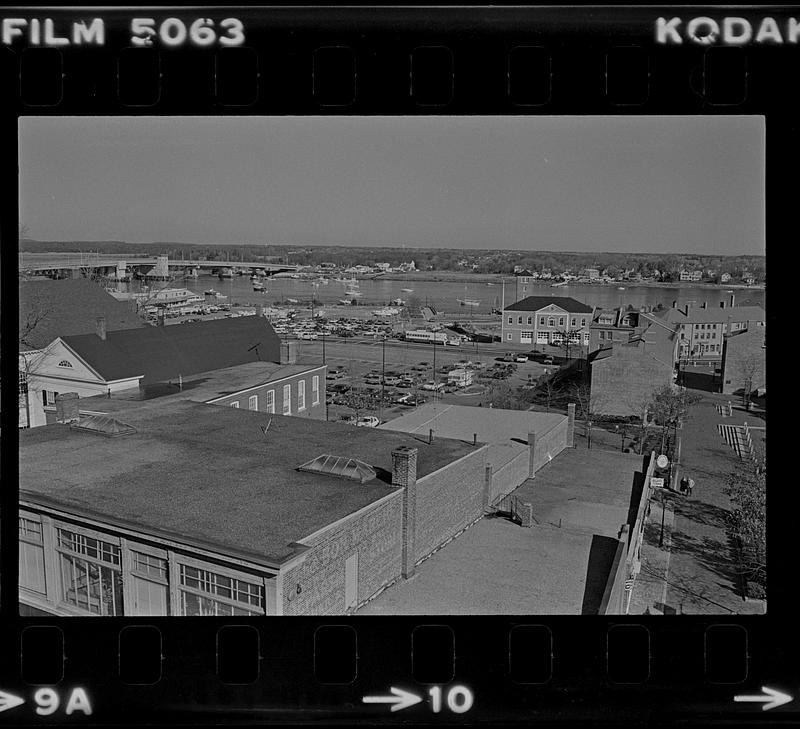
pixel 486 261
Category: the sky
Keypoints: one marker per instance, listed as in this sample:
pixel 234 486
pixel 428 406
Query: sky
pixel 690 184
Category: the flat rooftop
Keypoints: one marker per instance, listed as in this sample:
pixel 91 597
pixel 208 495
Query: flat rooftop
pixel 506 431
pixel 207 474
pixel 499 567
pixel 201 387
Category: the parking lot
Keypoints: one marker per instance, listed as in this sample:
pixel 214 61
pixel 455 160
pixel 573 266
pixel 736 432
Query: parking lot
pixel 358 362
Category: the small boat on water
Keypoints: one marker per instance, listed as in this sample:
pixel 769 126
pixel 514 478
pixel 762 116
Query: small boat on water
pixel 620 288
pixel 257 286
pixel 351 292
pixel 559 283
pixel 406 291
pixel 225 273
pixel 292 301
pixel 469 302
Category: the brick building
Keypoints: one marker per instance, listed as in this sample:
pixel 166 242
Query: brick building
pixel 744 361
pixel 169 507
pixel 611 326
pixel 624 378
pixel 546 320
pixel 701 329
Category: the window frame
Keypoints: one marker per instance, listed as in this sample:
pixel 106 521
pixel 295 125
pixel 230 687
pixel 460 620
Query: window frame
pixel 234 404
pixel 270 401
pixel 287 400
pixel 315 389
pixel 256 580
pixel 301 395
pixel 252 402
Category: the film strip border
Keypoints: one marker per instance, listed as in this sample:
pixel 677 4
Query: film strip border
pixel 503 669
pixel 439 61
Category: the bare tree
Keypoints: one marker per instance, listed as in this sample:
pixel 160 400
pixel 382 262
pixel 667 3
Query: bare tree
pixel 746 487
pixel 360 401
pixel 747 367
pixel 668 407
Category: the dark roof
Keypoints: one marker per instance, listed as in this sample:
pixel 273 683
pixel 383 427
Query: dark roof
pixel 207 474
pixel 50 309
pixel 164 353
pixel 535 303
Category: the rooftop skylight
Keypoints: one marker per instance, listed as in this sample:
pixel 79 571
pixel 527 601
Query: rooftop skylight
pixel 103 425
pixel 341 467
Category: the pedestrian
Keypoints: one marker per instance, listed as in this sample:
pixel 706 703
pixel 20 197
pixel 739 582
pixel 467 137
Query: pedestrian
pixel 690 487
pixel 684 484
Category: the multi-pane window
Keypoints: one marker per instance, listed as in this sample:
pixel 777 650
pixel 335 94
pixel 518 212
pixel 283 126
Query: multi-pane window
pixel 574 321
pixel 149 582
pixel 519 320
pixel 551 322
pixel 252 402
pixel 287 399
pixel 31 556
pixel 48 398
pixel 301 394
pixel 315 389
pixel 270 401
pixel 91 576
pixel 541 321
pixel 209 593
pixel 235 404
pixel 561 321
pixel 583 322
pixel 529 319
pixel 508 336
pixel 65 363
pixel 511 320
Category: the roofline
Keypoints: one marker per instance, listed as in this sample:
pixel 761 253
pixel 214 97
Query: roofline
pixel 82 360
pixel 208 548
pixel 311 368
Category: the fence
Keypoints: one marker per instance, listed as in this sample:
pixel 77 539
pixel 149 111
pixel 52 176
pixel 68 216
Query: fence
pixel 519 511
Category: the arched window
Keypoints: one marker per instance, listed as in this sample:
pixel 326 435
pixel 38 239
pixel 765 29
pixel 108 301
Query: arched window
pixel 65 363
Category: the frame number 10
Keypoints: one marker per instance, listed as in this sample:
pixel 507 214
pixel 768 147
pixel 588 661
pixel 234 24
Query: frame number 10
pixel 458 699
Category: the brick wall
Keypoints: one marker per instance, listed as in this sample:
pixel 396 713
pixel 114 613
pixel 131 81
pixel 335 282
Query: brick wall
pixel 510 476
pixel 375 534
pixel 745 359
pixel 318 411
pixel 623 382
pixel 448 500
pixel 548 445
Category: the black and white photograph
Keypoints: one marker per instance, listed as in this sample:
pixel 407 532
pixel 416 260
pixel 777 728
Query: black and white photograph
pixel 386 366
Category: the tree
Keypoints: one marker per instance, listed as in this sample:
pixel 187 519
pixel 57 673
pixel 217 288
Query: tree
pixel 668 407
pixel 748 366
pixel 746 487
pixel 359 401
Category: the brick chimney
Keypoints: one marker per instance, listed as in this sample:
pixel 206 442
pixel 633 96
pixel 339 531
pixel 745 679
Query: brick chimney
pixel 100 327
pixel 289 352
pixel 67 406
pixel 404 475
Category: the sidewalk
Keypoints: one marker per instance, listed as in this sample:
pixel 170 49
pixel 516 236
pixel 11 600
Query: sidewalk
pixel 698 569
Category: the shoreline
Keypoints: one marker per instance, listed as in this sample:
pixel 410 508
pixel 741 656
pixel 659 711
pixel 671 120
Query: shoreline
pixel 497 278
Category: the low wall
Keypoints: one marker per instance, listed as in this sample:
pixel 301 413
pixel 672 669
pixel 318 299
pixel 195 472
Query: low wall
pixel 449 500
pixel 548 445
pixel 376 534
pixel 510 476
pixel 613 601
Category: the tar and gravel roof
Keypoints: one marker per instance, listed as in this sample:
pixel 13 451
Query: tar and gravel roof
pixel 207 475
pixel 506 431
pixel 558 566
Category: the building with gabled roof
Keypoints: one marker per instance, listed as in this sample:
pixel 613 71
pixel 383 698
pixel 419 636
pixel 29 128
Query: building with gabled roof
pixel 106 362
pixel 546 320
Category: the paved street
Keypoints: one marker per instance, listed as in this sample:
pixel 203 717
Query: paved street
pixel 696 558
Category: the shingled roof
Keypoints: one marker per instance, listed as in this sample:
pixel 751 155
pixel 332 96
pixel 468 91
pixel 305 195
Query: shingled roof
pixel 50 309
pixel 164 353
pixel 536 303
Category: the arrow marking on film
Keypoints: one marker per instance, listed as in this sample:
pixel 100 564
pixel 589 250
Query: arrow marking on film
pixel 9 701
pixel 770 698
pixel 399 700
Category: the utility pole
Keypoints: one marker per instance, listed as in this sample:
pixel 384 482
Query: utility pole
pixel 383 375
pixel 323 347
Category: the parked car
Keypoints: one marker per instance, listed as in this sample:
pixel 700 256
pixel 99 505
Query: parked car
pixel 340 388
pixel 392 381
pixel 368 421
pixel 521 358
pixel 548 360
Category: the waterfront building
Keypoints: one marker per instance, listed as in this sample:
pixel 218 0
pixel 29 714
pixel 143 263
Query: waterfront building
pixel 524 281
pixel 691 275
pixel 546 320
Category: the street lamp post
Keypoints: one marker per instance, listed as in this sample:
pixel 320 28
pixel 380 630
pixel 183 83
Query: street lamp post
pixel 383 375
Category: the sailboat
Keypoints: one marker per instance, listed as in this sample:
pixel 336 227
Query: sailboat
pixel 468 302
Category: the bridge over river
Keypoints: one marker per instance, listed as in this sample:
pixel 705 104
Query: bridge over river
pixel 69 265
